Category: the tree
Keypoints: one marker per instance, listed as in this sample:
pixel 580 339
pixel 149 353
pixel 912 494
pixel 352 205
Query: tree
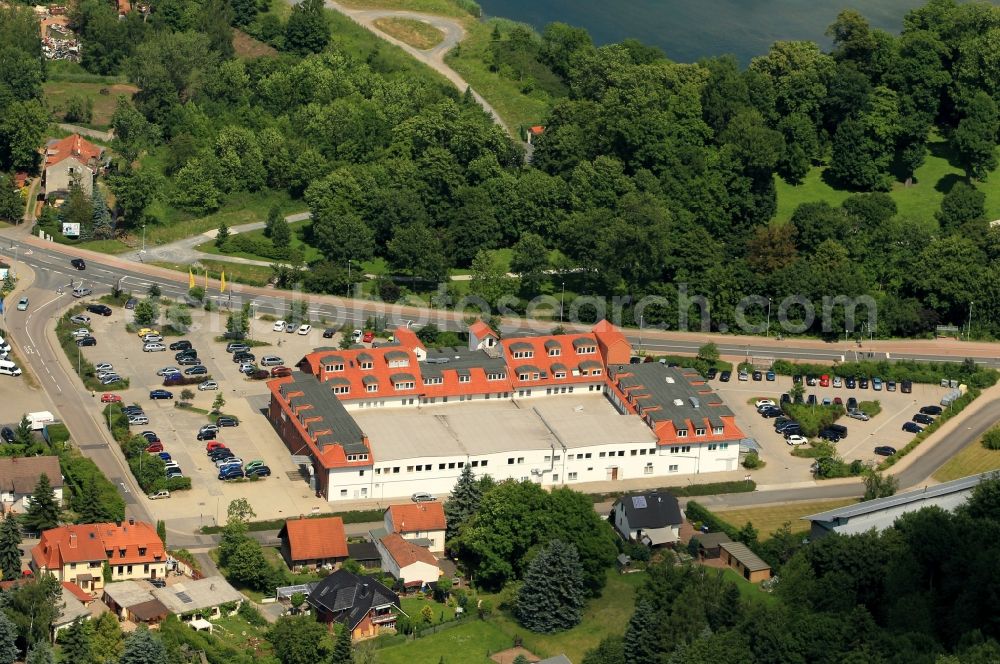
pixel 92 507
pixel 217 18
pixel 40 653
pixel 416 249
pixel 975 138
pixel 76 642
pixel 709 353
pixel 611 650
pixel 141 647
pixel 103 227
pixel 298 640
pixel 218 403
pixel 307 30
pixel 878 485
pixel 222 235
pixel 107 638
pixel 186 395
pixel 134 190
pixel 248 566
pixel 281 234
pixel 489 280
pixel 747 534
pixel 9 651
pixel 77 209
pixel 427 614
pixel 10 547
pixel 32 608
pixel 963 204
pixel 79 109
pixel 342 647
pixel 23 434
pixel 11 205
pixel 43 512
pixel 463 502
pixel 132 131
pixel 552 596
pixel 297 600
pixel 530 260
pixel 146 312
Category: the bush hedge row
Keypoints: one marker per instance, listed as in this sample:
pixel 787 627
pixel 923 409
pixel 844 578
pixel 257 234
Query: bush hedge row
pixel 355 516
pixel 696 512
pixel 967 372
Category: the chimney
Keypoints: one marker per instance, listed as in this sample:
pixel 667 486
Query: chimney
pixel 131 521
pixel 72 540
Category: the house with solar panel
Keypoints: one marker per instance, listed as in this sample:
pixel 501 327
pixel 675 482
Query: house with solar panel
pixel 653 519
pixel 360 603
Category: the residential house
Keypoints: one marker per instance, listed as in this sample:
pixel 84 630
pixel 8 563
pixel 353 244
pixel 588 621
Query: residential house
pixel 313 542
pixel 650 518
pixel 77 553
pixel 364 553
pixel 418 521
pixel 362 604
pixel 71 161
pixel 709 543
pixel 69 608
pixel 482 336
pixel 881 513
pixel 739 556
pixel 19 475
pixel 199 599
pixel 407 561
pixel 133 602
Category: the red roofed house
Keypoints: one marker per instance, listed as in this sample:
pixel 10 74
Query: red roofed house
pixel 77 553
pixel 482 336
pixel 558 363
pixel 615 348
pixel 68 161
pixel 410 563
pixel 418 521
pixel 313 542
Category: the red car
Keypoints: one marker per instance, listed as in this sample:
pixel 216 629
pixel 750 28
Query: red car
pixel 369 337
pixel 107 397
pixel 277 372
pixel 154 448
pixel 824 380
pixel 213 444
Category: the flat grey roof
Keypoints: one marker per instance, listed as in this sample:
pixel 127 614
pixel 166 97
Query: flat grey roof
pixel 459 359
pixel 476 428
pixel 128 593
pixel 869 506
pixel 196 595
pixel 670 390
pixel 325 404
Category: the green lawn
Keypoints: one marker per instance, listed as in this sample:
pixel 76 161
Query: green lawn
pixel 309 252
pixel 440 7
pixel 57 94
pixel 505 95
pixel 468 643
pixel 412 607
pixel 918 202
pixel 750 591
pixel 240 208
pixel 971 460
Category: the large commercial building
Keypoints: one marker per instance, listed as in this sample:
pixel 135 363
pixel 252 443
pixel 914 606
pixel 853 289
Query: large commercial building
pixel 557 409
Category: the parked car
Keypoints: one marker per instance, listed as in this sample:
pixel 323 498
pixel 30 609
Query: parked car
pixel 279 326
pixel 920 418
pixel 863 383
pixel 248 368
pixel 725 376
pixel 764 402
pixel 196 370
pixel 852 404
pixel 174 472
pixel 110 397
pixel 858 415
pixel 258 471
pixel 278 372
pixel 211 434
pixel 150 436
pixel 811 380
pixel 86 341
pixel 831 436
pixel 183 344
pixel 906 386
pixel 153 347
pixel 890 386
pixel 22 304
pixel 214 445
pixel 161 394
pixel 796 439
pixel 82 291
pixel 189 361
pixel 220 454
pixel 305 329
pixel 368 337
pixel 931 410
pixel 7 434
pixel 329 332
pixel 227 421
pixel 163 493
pixel 838 381
pixel 710 375
pixel 912 427
pixel 244 356
pixel 259 374
pixel 768 413
pixel 152 338
pixel 850 383
pixel 757 376
pixel 838 401
pixel 797 379
pixel 143 331
pixel 131 302
pixel 101 309
pixel 422 497
pixel 770 376
pixel 155 447
pixel 191 352
pixel 786 398
pixel 237 347
pixel 271 361
pixel 230 461
pixel 877 384
pixel 78 263
pixel 132 410
pixel 80 333
pixel 166 371
pixel 80 319
pixel 230 473
pixel 824 380
pixel 208 385
pixel 356 336
pixel 827 401
pixel 885 450
pixel 811 400
pixel 137 420
pixel 290 328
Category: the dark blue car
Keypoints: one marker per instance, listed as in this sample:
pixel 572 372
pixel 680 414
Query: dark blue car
pixel 161 394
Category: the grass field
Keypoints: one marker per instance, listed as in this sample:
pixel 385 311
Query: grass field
pixel 749 591
pixel 768 519
pixel 440 7
pixel 972 460
pixel 248 47
pixel 57 93
pixel 918 202
pixel 505 95
pixel 309 252
pixel 410 31
pixel 466 644
pixel 240 208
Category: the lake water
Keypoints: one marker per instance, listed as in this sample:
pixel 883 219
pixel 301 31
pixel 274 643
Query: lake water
pixel 690 29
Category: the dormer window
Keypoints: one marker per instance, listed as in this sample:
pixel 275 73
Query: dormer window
pixel 682 433
pixel 142 550
pixel 523 376
pixel 341 389
pixel 366 365
pixel 559 374
pixel 523 354
pixel 699 432
pixel 334 368
pixel 371 387
pixel 586 350
pixel 464 378
pixel 555 352
pixel 405 385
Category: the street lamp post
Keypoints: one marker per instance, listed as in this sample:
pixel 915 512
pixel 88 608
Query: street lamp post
pixel 143 239
pixel 968 331
pixel 768 318
pixel 640 334
pixel 348 277
pixel 562 302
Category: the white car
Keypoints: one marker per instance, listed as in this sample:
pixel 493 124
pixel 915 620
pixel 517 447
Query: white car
pixel 764 402
pixel 152 338
pixel 80 319
pixel 231 461
pixel 104 366
pixel 159 494
pixel 135 420
pixel 858 415
pixel 305 329
pixel 166 371
pixel 744 375
pixel 153 347
pixel 838 381
pixel 356 336
pixel 81 333
pixel 208 385
pixel 279 326
pixel 796 439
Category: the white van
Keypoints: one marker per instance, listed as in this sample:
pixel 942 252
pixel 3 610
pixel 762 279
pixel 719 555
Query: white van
pixel 8 368
pixel 4 346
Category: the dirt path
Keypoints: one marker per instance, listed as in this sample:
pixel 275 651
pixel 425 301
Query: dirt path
pixel 432 57
pixel 105 136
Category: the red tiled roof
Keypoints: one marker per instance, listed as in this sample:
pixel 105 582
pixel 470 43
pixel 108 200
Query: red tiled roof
pixel 90 542
pixel 78 592
pixel 388 366
pixel 536 129
pixel 407 338
pixel 481 330
pixel 315 539
pixel 72 146
pixel 406 553
pixel 615 348
pixel 417 517
pixel 568 360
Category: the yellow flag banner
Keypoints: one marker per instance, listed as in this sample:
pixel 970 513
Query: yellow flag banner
pixel 190 278
pixel 222 286
pixel 206 279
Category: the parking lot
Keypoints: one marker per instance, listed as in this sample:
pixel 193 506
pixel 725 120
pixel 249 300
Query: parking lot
pixel 883 429
pixel 285 492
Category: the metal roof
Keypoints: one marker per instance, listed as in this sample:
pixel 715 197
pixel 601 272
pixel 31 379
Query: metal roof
pixel 326 405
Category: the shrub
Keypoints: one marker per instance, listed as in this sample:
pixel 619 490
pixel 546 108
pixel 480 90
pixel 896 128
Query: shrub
pixel 870 408
pixel 991 439
pixel 967 372
pixel 250 613
pixel 752 461
pixel 699 364
pixel 697 512
pixel 815 450
pixel 813 419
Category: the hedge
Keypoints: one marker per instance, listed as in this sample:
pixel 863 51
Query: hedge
pixel 84 368
pixel 79 470
pixel 813 419
pixel 709 489
pixel 355 516
pixel 951 411
pixel 697 512
pixel 182 380
pixel 967 372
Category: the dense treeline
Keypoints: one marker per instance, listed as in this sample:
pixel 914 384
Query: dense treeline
pixel 903 595
pixel 650 174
